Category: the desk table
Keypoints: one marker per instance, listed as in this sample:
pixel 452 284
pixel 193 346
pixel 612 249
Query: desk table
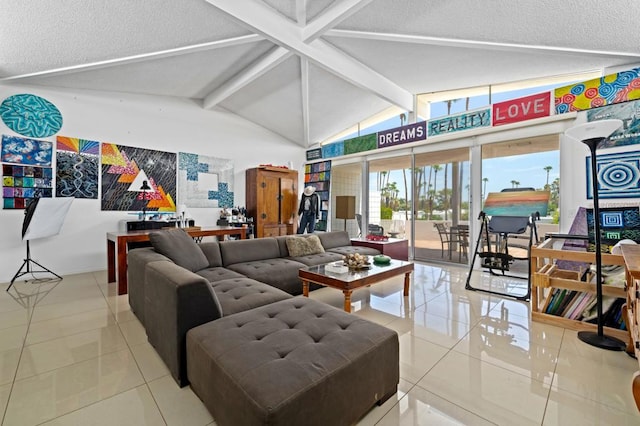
pixel 395 248
pixel 117 247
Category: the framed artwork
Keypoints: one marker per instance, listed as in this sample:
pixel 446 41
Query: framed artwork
pixel 629 113
pixel 205 181
pixel 30 115
pixel 21 183
pixel 77 166
pixel 32 152
pixel 123 169
pixel 618 175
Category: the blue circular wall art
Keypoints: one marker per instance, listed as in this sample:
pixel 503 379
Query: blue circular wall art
pixel 31 115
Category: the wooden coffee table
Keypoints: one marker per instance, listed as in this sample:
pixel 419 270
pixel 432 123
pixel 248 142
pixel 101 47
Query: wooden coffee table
pixel 354 279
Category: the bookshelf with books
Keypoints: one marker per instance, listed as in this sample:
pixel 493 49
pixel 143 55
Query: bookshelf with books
pixel 631 254
pixel 318 175
pixel 563 289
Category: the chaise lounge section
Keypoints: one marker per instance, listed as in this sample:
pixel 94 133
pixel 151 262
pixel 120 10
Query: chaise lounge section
pixel 293 362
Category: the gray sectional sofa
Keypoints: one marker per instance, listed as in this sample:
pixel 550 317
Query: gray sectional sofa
pixel 182 291
pixel 227 277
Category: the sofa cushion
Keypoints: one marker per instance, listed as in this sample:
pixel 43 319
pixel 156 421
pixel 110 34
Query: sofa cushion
pixel 334 239
pixel 218 274
pixel 241 294
pixel 277 272
pixel 318 259
pixel 178 246
pixel 344 250
pixel 211 250
pixel 239 251
pixel 303 246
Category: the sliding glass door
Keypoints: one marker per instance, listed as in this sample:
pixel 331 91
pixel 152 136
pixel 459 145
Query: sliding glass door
pixel 441 195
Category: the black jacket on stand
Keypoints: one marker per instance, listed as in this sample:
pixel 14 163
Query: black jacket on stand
pixel 314 207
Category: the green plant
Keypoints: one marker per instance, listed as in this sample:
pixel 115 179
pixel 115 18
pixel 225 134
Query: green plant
pixel 386 213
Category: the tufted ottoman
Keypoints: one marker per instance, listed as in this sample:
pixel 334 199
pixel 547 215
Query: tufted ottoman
pixel 297 361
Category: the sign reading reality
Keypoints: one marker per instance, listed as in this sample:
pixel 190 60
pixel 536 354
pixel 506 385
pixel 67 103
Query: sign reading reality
pixel 455 123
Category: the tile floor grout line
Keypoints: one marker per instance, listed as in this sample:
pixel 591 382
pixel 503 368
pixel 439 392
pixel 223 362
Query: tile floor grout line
pixel 553 378
pixel 13 380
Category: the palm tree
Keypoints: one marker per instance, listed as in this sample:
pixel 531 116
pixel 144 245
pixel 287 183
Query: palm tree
pixel 514 183
pixel 484 187
pixel 446 199
pixel 547 169
pixel 436 169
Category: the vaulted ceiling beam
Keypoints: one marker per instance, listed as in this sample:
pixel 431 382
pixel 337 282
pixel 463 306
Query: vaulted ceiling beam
pixel 304 88
pixel 258 68
pixel 301 12
pixel 332 16
pixel 260 18
pixel 452 42
pixel 218 44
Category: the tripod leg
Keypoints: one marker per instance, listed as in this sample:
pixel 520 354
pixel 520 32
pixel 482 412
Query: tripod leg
pixel 20 273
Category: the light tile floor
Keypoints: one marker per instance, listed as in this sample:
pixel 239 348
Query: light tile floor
pixel 72 353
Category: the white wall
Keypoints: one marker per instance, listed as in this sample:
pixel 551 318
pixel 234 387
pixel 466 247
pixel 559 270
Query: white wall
pixel 161 123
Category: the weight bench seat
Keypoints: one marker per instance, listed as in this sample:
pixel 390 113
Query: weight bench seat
pixel 296 361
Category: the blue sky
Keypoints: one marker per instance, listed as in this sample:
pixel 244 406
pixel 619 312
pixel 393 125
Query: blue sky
pixel 526 169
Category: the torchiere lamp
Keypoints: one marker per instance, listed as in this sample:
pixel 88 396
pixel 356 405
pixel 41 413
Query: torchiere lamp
pixel 593 134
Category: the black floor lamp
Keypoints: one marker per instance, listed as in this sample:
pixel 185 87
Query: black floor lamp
pixel 593 134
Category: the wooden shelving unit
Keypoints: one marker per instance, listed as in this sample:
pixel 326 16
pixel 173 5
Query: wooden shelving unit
pixel 546 276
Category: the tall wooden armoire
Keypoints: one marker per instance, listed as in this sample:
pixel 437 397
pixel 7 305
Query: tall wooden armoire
pixel 272 200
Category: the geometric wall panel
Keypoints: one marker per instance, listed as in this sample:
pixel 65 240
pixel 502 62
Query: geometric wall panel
pixel 618 175
pixel 205 181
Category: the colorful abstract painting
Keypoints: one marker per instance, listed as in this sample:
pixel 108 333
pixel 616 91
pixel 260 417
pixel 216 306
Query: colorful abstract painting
pixel 629 113
pixel 31 116
pixel 32 152
pixel 21 183
pixel 77 166
pixel 121 165
pixel 205 181
pixel 516 203
pixel 610 89
pixel 618 175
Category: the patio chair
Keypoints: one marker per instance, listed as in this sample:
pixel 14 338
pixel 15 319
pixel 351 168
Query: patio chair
pixel 445 237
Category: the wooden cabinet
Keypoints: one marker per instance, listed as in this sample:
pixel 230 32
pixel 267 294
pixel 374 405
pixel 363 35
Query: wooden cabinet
pixel 272 200
pixel 546 276
pixel 631 254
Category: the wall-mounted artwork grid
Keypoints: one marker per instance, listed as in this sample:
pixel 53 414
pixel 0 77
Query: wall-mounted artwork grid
pixel 77 166
pixel 205 181
pixel 21 183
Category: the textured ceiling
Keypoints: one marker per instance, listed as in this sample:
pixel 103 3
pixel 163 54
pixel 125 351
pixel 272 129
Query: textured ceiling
pixel 308 69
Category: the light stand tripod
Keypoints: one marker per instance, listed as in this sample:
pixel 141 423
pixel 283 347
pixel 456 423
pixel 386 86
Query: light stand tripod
pixel 43 218
pixel 26 265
